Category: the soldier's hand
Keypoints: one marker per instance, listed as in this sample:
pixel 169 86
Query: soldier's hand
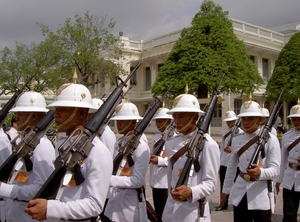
pixel 37 209
pixel 181 193
pixel 223 199
pixel 277 185
pixel 228 149
pixel 154 159
pixel 254 172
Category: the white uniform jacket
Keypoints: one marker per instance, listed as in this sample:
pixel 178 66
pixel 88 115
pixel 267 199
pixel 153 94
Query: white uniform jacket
pixel 158 172
pixel 123 202
pixel 257 191
pixel 289 177
pixel 203 183
pixel 87 199
pixel 5 147
pixel 108 137
pixel 224 155
pixel 21 191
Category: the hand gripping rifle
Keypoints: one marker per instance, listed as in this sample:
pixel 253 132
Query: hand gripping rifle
pixel 126 148
pixel 26 147
pixel 167 133
pixel 72 155
pixel 264 134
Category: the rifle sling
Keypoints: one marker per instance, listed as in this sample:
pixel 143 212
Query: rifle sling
pixel 227 134
pixel 293 144
pixel 247 145
pixel 157 143
pixel 179 153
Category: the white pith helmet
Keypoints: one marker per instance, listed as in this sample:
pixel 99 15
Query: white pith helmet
pixel 250 108
pixel 30 102
pixel 126 111
pixel 295 110
pixel 186 103
pixel 265 112
pixel 230 116
pixel 96 103
pixel 162 114
pixel 73 95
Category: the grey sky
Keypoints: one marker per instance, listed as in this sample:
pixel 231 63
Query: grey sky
pixel 138 19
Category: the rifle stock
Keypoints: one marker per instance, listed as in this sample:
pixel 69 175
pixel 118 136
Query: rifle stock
pixel 26 145
pixel 264 134
pixel 79 149
pixel 197 142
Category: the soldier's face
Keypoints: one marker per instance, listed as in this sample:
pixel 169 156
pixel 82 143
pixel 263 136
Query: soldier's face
pixel 230 123
pixel 162 124
pixel 185 122
pixel 250 123
pixel 124 126
pixel 296 122
pixel 22 119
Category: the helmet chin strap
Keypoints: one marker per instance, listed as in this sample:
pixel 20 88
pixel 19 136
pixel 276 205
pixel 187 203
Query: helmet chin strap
pixel 124 130
pixel 25 123
pixel 163 126
pixel 68 120
pixel 251 128
pixel 187 126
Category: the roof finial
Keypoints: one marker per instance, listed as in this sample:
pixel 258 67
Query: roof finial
pixel 32 86
pixel 163 105
pixel 75 77
pixel 126 100
pixel 298 101
pixel 95 95
pixel 186 89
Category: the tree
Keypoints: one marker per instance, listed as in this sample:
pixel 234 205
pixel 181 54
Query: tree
pixel 203 53
pixel 286 72
pixel 51 62
pixel 82 42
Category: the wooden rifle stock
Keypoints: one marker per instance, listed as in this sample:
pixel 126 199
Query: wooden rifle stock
pixel 197 142
pixel 26 145
pixel 264 134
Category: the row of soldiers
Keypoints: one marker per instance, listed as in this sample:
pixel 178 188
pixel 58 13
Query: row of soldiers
pixel 120 196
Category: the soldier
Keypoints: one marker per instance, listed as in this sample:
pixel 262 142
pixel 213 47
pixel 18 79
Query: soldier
pixel 266 114
pixel 158 168
pixel 290 167
pixel 186 112
pixel 108 137
pixel 13 131
pixel 249 196
pixel 225 150
pixel 5 151
pixel 86 200
pixel 126 202
pixel 25 182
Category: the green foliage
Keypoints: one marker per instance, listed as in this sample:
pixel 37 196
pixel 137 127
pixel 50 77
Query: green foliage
pixel 286 72
pixel 77 44
pixel 203 53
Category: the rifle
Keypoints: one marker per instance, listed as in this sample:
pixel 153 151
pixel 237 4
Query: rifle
pixel 195 146
pixel 234 131
pixel 167 133
pixel 133 139
pixel 264 134
pixel 77 151
pixel 26 146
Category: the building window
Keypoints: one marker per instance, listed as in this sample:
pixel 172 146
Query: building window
pixel 217 116
pixel 148 78
pixel 265 70
pixel 133 77
pixel 237 103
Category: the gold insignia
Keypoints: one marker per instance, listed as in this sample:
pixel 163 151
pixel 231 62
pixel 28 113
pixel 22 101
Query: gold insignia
pixel 193 102
pixel 173 147
pixel 119 107
pixel 295 109
pixel 247 104
pixel 83 95
pixel 98 104
pixel 227 113
pixel 32 100
pixel 133 111
pixel 176 100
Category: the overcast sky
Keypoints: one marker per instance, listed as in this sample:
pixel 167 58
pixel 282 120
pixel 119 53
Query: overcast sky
pixel 138 19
